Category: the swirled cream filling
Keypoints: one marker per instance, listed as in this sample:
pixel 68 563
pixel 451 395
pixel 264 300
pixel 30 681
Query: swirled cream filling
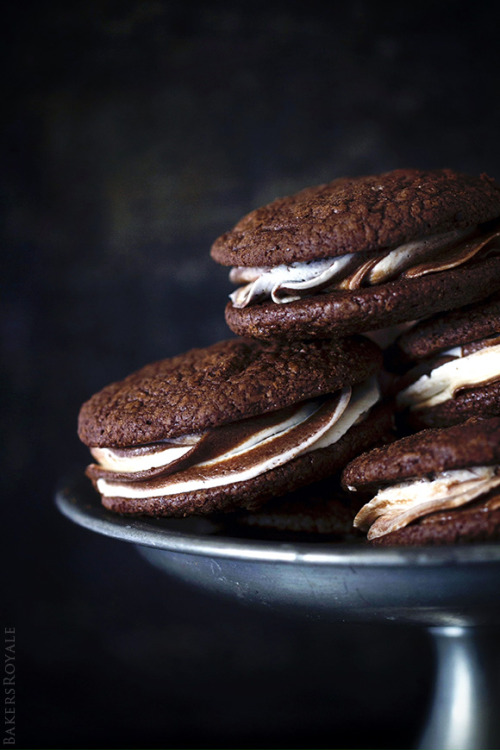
pixel 443 382
pixel 242 451
pixel 396 506
pixel 145 457
pixel 287 283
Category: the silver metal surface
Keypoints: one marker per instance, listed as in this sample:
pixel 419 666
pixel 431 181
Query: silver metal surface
pixel 435 586
pixel 451 591
pixel 464 710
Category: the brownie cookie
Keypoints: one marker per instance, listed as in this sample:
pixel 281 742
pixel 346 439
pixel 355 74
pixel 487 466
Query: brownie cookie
pixel 452 367
pixel 320 511
pixel 462 326
pixel 364 253
pixel 233 424
pixel 436 486
pixel 217 384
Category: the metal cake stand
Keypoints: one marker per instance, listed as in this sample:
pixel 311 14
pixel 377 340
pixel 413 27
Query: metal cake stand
pixel 452 592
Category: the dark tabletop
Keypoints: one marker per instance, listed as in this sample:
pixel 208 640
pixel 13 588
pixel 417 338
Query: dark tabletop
pixel 134 134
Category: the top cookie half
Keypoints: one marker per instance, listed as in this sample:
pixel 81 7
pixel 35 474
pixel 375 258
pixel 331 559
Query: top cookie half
pixel 221 383
pixel 351 215
pixel 362 253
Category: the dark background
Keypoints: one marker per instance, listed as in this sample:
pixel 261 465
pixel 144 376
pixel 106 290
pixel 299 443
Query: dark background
pixel 136 133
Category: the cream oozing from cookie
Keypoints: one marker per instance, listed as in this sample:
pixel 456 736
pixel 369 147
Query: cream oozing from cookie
pixel 396 506
pixel 144 457
pixel 287 283
pixel 445 380
pixel 240 452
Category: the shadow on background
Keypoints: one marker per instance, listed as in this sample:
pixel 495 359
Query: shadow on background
pixel 136 133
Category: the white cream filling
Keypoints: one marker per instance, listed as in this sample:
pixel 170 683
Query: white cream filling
pixel 442 382
pixel 287 283
pixel 405 256
pixel 125 462
pixel 349 410
pixel 134 461
pixel 266 436
pixel 363 397
pixel 280 282
pixel 396 506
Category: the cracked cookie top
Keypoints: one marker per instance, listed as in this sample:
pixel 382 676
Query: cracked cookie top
pixel 451 328
pixel 218 384
pixel 358 214
pixel 425 453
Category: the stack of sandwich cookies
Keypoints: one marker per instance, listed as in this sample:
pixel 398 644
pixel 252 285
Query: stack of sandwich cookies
pixel 437 486
pixel 361 254
pixel 259 429
pixel 232 425
pixel 453 367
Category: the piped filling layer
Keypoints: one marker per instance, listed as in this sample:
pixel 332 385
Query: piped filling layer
pixel 236 452
pixel 463 370
pixel 396 506
pixel 287 283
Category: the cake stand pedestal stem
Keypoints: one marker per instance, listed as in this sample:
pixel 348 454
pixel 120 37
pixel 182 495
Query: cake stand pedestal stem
pixel 465 708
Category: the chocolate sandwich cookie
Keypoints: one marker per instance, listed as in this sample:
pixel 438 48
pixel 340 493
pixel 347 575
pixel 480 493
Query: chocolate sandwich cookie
pixel 360 254
pixel 232 425
pixel 453 367
pixel 320 511
pixel 437 486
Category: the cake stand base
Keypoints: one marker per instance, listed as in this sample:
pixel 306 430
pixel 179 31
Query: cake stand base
pixel 465 708
pixel 451 592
